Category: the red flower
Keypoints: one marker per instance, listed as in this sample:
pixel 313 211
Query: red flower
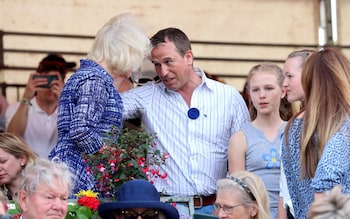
pixel 90 202
pixel 16 216
pixel 141 161
pixel 165 175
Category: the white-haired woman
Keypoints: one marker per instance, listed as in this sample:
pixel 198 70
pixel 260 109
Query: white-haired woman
pixel 90 105
pixel 44 190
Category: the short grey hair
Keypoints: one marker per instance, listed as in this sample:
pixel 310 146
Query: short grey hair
pixel 45 171
pixel 121 43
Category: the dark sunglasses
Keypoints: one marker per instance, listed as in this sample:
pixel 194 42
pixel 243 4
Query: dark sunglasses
pixel 130 214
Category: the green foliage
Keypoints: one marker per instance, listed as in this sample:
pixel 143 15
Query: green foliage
pixel 76 211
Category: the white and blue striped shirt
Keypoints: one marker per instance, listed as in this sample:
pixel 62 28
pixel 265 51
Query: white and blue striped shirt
pixel 197 147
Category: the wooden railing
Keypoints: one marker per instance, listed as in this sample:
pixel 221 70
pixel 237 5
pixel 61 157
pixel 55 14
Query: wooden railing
pixel 207 53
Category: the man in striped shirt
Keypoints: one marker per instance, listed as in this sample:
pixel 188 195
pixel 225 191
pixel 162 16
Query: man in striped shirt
pixel 192 116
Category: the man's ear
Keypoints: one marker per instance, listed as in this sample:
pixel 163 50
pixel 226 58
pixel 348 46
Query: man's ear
pixel 23 200
pixel 189 57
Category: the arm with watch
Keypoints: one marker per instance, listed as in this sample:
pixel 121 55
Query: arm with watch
pixel 17 117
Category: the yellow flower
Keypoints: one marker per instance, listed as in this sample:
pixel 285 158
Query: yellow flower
pixel 87 193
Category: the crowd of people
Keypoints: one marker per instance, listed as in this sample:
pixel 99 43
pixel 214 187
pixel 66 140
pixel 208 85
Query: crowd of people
pixel 280 151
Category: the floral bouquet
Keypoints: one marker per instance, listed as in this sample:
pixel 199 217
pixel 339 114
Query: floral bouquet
pixel 85 207
pixel 127 155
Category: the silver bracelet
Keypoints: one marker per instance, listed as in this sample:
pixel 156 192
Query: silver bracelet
pixel 26 102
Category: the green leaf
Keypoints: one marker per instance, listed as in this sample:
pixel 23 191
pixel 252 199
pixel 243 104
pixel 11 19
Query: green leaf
pixel 83 210
pixel 13 211
pixel 82 216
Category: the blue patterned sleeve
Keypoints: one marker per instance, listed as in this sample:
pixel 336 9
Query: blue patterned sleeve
pixel 93 99
pixel 331 167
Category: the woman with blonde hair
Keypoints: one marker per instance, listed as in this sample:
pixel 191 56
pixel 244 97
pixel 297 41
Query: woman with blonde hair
pixel 15 154
pixel 242 195
pixel 316 150
pixel 292 70
pixel 256 146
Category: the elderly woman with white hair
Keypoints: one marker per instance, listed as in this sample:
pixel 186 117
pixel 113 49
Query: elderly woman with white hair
pixel 44 190
pixel 90 105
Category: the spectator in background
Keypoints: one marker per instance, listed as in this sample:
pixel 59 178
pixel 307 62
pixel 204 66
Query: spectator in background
pixel 242 195
pixel 35 116
pixel 15 154
pixel 256 147
pixel 315 152
pixel 90 105
pixel 44 190
pixel 193 117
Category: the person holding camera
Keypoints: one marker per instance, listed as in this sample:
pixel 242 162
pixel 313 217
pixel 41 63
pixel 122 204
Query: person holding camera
pixel 35 117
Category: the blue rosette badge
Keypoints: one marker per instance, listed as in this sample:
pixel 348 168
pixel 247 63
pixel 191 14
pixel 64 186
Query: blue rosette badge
pixel 193 113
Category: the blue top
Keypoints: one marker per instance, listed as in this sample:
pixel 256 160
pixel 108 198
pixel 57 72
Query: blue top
pixel 88 108
pixel 332 169
pixel 263 159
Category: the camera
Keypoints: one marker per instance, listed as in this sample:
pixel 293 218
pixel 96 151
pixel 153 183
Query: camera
pixel 49 79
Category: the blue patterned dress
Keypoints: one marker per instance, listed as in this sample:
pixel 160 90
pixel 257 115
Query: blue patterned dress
pixel 333 168
pixel 88 108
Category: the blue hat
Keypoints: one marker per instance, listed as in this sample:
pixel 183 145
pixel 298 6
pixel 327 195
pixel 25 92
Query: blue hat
pixel 137 194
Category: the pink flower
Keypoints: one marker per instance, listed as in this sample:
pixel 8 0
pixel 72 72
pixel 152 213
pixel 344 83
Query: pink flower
pixel 166 155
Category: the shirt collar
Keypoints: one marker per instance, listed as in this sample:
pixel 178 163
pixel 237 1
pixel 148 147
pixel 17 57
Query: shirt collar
pixel 35 107
pixel 206 82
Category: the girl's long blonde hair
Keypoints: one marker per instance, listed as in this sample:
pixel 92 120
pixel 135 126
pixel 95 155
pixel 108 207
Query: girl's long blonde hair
pixel 326 83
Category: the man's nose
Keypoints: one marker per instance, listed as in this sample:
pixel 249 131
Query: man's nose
pixel 162 71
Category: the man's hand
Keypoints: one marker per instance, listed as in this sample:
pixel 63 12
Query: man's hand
pixel 57 86
pixel 32 86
